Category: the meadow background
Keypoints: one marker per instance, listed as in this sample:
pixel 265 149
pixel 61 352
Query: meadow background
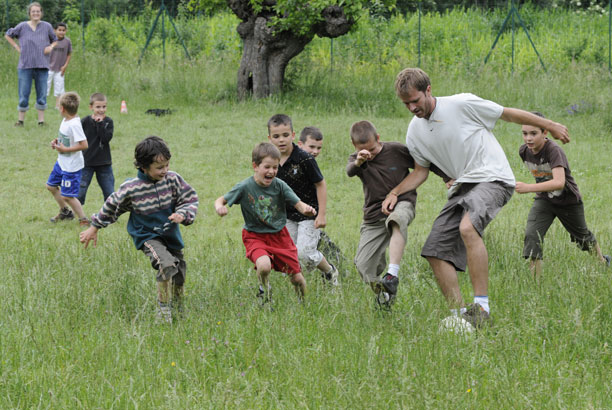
pixel 77 326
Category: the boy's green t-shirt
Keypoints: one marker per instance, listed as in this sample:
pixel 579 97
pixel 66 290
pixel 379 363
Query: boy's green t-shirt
pixel 263 208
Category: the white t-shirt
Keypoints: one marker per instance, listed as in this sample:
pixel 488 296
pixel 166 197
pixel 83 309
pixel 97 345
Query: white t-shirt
pixel 458 138
pixel 71 132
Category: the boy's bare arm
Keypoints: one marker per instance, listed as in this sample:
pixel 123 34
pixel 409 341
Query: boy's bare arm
pixel 220 207
pixel 557 182
pixel 410 183
pixel 63 68
pixel 59 147
pixel 354 167
pixel 557 130
pixel 305 209
pixel 321 219
pixel 89 234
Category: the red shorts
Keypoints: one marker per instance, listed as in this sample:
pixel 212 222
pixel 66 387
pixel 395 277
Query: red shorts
pixel 278 246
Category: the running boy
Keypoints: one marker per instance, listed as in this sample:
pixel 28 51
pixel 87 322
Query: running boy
pixel 98 129
pixel 557 196
pixel 381 166
pixel 301 172
pixel 158 200
pixel 67 171
pixel 59 58
pixel 311 141
pixel 262 199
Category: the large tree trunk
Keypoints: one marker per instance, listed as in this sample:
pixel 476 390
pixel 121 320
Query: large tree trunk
pixel 266 53
pixel 265 57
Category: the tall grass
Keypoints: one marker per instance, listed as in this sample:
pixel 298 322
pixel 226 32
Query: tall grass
pixel 77 329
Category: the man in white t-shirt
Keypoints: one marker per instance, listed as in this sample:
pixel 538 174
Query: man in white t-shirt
pixel 455 134
pixel 65 178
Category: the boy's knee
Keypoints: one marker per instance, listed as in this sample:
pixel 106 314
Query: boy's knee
pixel 51 188
pixel 263 264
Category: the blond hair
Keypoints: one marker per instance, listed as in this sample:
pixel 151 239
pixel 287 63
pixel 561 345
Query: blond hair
pixel 411 79
pixel 70 102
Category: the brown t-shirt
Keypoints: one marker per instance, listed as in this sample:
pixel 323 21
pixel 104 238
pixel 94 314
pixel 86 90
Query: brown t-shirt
pixel 59 54
pixel 541 165
pixel 380 175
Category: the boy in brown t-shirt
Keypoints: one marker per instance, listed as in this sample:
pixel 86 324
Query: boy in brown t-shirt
pixel 557 196
pixel 380 166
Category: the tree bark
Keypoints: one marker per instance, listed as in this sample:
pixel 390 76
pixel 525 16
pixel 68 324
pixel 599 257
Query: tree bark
pixel 266 53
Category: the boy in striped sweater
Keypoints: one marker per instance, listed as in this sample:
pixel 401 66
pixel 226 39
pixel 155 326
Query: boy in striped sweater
pixel 157 200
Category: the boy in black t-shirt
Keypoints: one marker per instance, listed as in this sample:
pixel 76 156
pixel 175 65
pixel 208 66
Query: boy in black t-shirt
pixel 98 129
pixel 301 172
pixel 557 196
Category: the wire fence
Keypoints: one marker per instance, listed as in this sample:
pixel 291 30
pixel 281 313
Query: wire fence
pixel 511 20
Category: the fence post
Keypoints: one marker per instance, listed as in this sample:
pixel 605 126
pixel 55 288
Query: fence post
pixel 83 23
pixel 419 46
pixel 331 54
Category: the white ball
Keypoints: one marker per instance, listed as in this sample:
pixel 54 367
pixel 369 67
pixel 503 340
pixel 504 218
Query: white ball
pixel 457 325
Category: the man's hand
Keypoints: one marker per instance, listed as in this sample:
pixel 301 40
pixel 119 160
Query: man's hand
pixel 89 234
pixel 388 204
pixel 560 132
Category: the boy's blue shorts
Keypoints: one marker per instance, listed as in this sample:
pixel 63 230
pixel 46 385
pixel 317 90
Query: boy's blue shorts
pixel 69 182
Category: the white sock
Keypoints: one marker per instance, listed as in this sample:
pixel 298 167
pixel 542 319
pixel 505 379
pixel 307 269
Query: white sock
pixel 482 301
pixel 393 269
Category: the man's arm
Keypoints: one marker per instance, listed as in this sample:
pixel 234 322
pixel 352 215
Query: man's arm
pixel 410 183
pixel 558 131
pixel 557 182
pixel 321 188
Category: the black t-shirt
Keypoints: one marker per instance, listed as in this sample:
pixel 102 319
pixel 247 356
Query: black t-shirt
pixel 541 165
pixel 301 173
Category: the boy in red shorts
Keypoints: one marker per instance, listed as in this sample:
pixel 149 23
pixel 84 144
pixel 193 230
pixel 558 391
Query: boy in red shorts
pixel 262 200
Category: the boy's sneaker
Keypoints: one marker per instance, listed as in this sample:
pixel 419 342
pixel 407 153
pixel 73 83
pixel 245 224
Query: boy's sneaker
pixel 390 283
pixel 64 215
pixel 164 313
pixel 385 300
pixel 608 259
pixel 331 277
pixel 84 222
pixel 476 316
pixel 261 294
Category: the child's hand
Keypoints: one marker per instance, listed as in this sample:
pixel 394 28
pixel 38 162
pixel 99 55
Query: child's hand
pixel 521 187
pixel 59 147
pixel 97 118
pixel 320 221
pixel 176 218
pixel 305 209
pixel 221 210
pixel 449 183
pixel 362 156
pixel 53 143
pixel 89 234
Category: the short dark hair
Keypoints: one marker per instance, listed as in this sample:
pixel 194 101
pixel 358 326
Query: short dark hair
pixel 279 119
pixel 265 149
pixel 60 24
pixel 149 150
pixel 96 97
pixel 362 132
pixel 312 132
pixel 70 102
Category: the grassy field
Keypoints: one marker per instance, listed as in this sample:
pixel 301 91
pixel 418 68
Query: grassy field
pixel 77 326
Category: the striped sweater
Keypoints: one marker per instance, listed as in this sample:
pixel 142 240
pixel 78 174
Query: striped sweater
pixel 150 203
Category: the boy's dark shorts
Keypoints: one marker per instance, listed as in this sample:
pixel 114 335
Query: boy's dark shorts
pixel 169 263
pixel 542 215
pixel 278 246
pixel 482 201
